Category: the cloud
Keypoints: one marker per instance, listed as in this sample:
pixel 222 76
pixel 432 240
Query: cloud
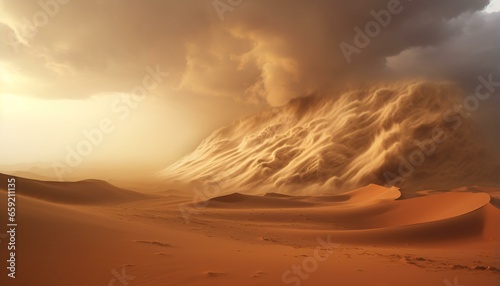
pixel 262 51
pixel 464 55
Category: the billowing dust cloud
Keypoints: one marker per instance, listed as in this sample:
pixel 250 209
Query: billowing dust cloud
pixel 413 135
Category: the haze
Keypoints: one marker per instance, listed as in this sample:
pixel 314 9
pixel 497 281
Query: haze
pixel 60 78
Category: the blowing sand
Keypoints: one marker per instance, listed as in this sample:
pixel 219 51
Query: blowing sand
pixel 92 233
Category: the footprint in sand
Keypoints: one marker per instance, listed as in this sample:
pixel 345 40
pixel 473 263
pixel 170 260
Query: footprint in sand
pixel 157 243
pixel 214 274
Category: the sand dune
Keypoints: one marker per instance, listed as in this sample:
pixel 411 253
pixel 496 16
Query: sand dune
pixel 81 192
pixel 242 239
pixel 493 192
pixel 371 194
pixel 247 201
pixel 374 214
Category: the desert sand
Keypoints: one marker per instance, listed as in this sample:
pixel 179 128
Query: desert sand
pixel 238 143
pixel 93 233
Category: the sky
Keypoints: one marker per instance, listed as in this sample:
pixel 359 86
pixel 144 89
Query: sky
pixel 141 83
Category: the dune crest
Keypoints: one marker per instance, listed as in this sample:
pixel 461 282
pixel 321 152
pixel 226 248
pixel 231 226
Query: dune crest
pixel 372 214
pixel 84 192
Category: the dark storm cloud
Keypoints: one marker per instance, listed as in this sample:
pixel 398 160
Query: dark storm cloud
pixel 469 52
pixel 258 50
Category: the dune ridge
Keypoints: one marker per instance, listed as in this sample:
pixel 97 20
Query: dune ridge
pixel 81 192
pixel 321 144
pixel 372 214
